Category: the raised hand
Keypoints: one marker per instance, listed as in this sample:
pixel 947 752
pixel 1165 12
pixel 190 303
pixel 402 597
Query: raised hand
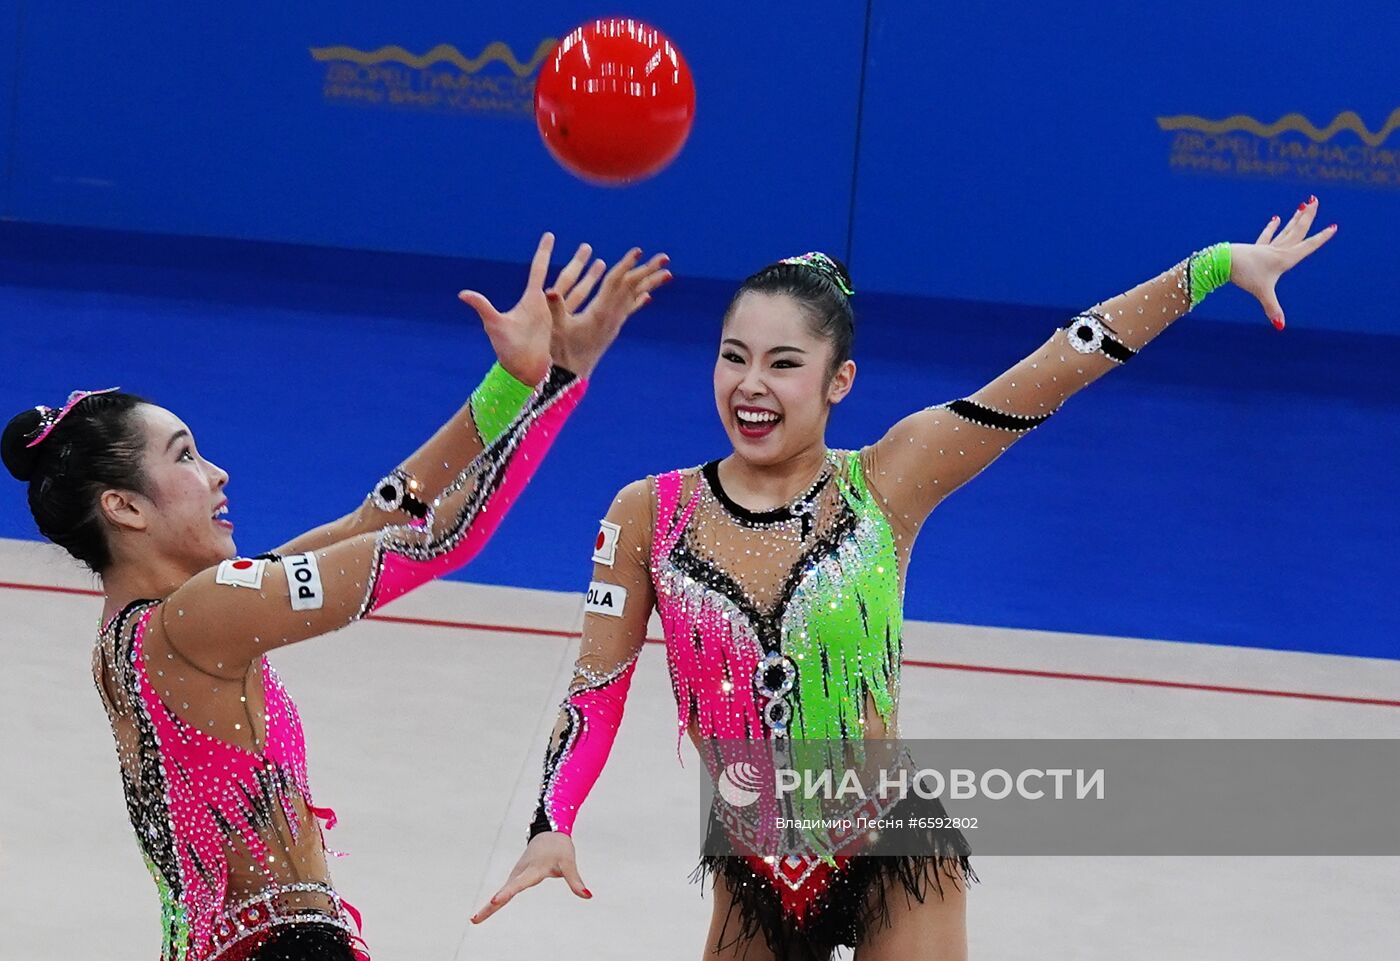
pixel 1257 267
pixel 582 334
pixel 522 334
pixel 548 855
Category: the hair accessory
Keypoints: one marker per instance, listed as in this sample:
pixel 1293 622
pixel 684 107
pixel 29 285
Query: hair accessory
pixel 49 418
pixel 824 265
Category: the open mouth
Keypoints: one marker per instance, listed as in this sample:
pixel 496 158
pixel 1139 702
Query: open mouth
pixel 755 422
pixel 220 517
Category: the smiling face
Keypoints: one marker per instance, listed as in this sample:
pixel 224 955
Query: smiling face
pixel 178 516
pixel 774 386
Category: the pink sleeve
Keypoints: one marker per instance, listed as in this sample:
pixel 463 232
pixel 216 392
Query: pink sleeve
pixel 592 716
pixel 614 633
pixel 468 512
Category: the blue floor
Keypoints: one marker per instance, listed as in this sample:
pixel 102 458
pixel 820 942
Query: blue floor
pixel 1233 486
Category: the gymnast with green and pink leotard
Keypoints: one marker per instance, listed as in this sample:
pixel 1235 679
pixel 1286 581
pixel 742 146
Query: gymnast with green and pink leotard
pixel 778 577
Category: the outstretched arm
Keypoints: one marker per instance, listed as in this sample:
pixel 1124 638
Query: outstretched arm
pixel 521 339
pixel 401 496
pixel 930 454
pixel 230 615
pixel 620 601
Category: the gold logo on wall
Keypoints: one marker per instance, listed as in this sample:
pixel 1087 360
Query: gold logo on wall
pixel 442 80
pixel 1345 152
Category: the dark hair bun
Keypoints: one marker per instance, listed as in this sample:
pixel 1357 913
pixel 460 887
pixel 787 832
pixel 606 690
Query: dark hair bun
pixel 20 458
pixel 822 264
pixel 843 273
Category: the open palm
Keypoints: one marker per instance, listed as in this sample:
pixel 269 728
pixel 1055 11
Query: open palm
pixel 521 335
pixel 552 325
pixel 1257 267
pixel 582 333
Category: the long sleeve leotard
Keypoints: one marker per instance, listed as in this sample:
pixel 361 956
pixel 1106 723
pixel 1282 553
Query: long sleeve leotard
pixel 787 623
pixel 213 759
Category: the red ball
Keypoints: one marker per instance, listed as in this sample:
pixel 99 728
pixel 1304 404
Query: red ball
pixel 614 102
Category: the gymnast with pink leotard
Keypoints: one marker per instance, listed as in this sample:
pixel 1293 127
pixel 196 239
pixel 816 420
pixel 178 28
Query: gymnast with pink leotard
pixel 778 576
pixel 211 751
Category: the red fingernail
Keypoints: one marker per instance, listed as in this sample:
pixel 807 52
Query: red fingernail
pixel 1333 227
pixel 1312 198
pixel 1275 217
pixel 587 893
pixel 1302 205
pixel 1277 322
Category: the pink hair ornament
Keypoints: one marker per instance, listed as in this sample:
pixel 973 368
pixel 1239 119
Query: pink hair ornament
pixel 49 418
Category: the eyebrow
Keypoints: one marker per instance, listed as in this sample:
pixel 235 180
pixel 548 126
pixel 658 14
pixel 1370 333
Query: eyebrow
pixel 174 437
pixel 774 350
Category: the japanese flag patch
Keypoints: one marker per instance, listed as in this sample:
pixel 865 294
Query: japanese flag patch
pixel 605 547
pixel 608 599
pixel 241 572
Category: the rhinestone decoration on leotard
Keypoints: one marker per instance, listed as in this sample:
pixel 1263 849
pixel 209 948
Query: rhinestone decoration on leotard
pixel 825 607
pixel 209 814
pixel 821 589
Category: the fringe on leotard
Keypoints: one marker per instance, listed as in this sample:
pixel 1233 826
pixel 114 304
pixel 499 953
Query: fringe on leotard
pixel 846 903
pixel 856 904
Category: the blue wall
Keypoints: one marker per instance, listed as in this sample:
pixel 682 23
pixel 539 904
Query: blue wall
pixel 1010 153
pixel 195 117
pixel 9 50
